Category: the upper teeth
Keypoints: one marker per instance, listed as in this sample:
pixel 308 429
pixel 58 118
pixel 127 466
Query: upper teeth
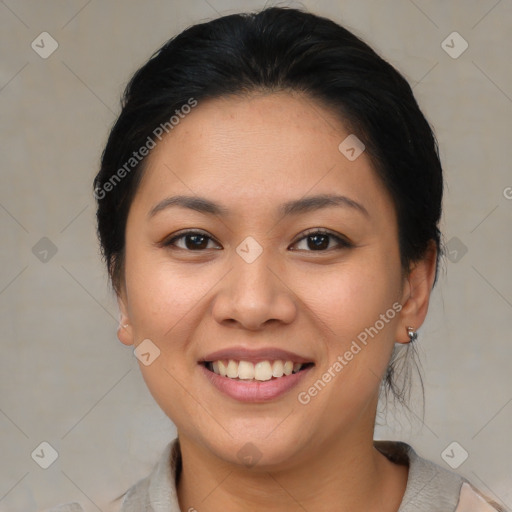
pixel 263 370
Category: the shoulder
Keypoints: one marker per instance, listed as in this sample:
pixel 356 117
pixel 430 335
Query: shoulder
pixel 158 489
pixel 433 488
pixel 77 507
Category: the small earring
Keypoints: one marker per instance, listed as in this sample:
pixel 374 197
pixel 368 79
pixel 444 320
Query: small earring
pixel 124 326
pixel 413 335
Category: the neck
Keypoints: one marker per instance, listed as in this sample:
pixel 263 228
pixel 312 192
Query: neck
pixel 343 473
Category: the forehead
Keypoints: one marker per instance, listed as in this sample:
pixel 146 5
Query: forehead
pixel 258 149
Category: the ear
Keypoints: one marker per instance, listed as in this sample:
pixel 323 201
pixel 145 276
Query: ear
pixel 124 331
pixel 416 293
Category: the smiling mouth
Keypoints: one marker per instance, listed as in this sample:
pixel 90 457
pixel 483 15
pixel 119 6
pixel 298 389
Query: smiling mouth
pixel 261 371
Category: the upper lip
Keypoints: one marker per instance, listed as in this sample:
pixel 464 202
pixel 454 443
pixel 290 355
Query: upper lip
pixel 254 355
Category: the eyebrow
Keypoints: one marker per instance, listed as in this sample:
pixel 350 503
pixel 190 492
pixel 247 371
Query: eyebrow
pixel 295 207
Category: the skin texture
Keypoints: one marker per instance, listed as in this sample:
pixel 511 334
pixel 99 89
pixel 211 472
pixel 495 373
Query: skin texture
pixel 251 154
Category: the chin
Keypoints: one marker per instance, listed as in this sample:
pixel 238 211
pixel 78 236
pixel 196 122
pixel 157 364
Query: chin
pixel 258 452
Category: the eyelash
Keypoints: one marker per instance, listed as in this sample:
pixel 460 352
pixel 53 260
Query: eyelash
pixel 341 241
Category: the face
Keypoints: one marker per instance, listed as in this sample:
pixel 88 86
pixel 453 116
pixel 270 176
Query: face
pixel 282 250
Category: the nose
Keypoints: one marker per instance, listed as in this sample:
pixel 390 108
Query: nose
pixel 254 295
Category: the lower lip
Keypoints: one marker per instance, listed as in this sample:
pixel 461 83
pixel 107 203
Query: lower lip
pixel 254 391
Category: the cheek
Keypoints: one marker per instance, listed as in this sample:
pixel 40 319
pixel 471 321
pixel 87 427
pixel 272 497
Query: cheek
pixel 353 296
pixel 357 308
pixel 161 296
pixel 164 306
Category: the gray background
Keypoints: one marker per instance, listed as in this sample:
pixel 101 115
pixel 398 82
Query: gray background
pixel 64 377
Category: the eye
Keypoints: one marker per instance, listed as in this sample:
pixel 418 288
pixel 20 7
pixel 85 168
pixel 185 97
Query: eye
pixel 191 241
pixel 320 240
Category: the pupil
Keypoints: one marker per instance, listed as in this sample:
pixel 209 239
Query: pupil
pixel 319 242
pixel 198 242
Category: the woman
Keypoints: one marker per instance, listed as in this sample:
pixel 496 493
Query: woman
pixel 268 208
